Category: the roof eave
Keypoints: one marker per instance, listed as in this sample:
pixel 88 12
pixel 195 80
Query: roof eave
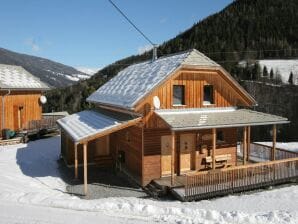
pixel 228 126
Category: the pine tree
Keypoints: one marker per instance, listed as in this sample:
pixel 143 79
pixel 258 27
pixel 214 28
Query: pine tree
pixel 265 71
pixel 256 71
pixel 271 74
pixel 290 81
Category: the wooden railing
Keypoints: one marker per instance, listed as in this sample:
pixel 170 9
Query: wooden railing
pixel 236 179
pixel 43 124
pixel 262 152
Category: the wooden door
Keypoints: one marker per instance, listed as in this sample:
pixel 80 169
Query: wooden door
pixel 18 117
pixel 102 147
pixel 166 155
pixel 187 149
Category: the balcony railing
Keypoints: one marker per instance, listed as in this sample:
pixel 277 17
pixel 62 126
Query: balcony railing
pixel 260 152
pixel 236 179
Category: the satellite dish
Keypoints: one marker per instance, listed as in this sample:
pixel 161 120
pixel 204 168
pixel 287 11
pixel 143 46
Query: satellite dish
pixel 156 102
pixel 43 99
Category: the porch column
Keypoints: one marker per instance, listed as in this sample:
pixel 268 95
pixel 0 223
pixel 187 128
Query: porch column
pixel 85 168
pixel 76 160
pixel 173 159
pixel 273 142
pixel 248 142
pixel 244 145
pixel 213 147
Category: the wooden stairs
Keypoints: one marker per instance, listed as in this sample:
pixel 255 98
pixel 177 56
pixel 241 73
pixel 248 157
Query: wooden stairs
pixel 155 190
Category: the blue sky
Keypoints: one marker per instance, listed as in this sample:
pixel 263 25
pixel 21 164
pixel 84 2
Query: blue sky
pixel 92 33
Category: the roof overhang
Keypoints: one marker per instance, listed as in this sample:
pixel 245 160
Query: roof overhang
pixel 196 119
pixel 88 125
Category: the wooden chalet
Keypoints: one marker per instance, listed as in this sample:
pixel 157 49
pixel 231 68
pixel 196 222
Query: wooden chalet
pixel 20 100
pixel 173 122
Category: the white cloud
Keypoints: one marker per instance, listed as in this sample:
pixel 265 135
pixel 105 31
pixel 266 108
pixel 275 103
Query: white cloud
pixel 32 44
pixel 144 49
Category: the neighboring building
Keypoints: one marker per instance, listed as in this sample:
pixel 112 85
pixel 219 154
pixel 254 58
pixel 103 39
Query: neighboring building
pixel 20 97
pixel 164 119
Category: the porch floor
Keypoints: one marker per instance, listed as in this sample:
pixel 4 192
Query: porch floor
pixel 166 181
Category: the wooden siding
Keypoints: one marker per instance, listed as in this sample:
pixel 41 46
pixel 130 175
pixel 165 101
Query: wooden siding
pixel 225 94
pixel 32 109
pixel 68 153
pixel 129 140
pixel 152 150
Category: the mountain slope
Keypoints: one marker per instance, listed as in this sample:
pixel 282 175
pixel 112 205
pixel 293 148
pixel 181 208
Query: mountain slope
pixel 246 29
pixel 53 73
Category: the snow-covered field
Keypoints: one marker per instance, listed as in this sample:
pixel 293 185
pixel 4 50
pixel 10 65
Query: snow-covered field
pixel 284 67
pixel 32 191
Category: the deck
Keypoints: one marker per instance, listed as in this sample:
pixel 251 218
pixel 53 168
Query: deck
pixel 207 184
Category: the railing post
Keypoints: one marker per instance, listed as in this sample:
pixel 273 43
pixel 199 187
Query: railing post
pixel 273 143
pixel 213 147
pixel 173 159
pixel 244 145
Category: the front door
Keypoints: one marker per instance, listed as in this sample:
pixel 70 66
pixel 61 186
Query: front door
pixel 18 117
pixel 187 148
pixel 166 149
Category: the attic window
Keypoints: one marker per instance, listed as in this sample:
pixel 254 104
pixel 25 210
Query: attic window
pixel 178 95
pixel 208 95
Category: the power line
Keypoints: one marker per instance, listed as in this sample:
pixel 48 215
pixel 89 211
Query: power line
pixel 123 14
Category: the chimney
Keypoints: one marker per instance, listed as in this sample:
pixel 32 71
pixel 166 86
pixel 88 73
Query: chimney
pixel 154 52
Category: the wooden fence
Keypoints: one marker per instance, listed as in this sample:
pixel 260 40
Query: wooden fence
pixel 241 178
pixel 43 124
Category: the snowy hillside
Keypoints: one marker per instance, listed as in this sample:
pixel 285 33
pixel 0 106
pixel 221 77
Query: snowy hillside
pixel 284 67
pixel 72 77
pixel 88 71
pixel 32 191
pixel 52 73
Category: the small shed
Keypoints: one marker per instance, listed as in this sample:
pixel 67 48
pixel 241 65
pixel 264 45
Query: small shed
pixel 20 97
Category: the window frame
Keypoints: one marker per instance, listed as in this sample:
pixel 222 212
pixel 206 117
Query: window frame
pixel 183 96
pixel 212 96
pixel 220 141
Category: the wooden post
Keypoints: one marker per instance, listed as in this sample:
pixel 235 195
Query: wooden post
pixel 273 143
pixel 248 142
pixel 85 169
pixel 213 147
pixel 76 160
pixel 173 159
pixel 143 155
pixel 244 145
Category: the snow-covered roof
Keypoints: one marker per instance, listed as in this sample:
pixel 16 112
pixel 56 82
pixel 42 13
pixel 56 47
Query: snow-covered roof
pixel 206 118
pixel 16 77
pixel 88 123
pixel 136 81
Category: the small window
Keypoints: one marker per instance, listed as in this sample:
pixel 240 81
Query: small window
pixel 220 136
pixel 208 95
pixel 178 95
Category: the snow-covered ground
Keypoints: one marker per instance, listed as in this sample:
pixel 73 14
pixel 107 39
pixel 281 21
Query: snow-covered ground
pixel 284 67
pixel 291 146
pixel 32 191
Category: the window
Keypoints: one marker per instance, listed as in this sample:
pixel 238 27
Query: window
pixel 220 136
pixel 208 95
pixel 178 95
